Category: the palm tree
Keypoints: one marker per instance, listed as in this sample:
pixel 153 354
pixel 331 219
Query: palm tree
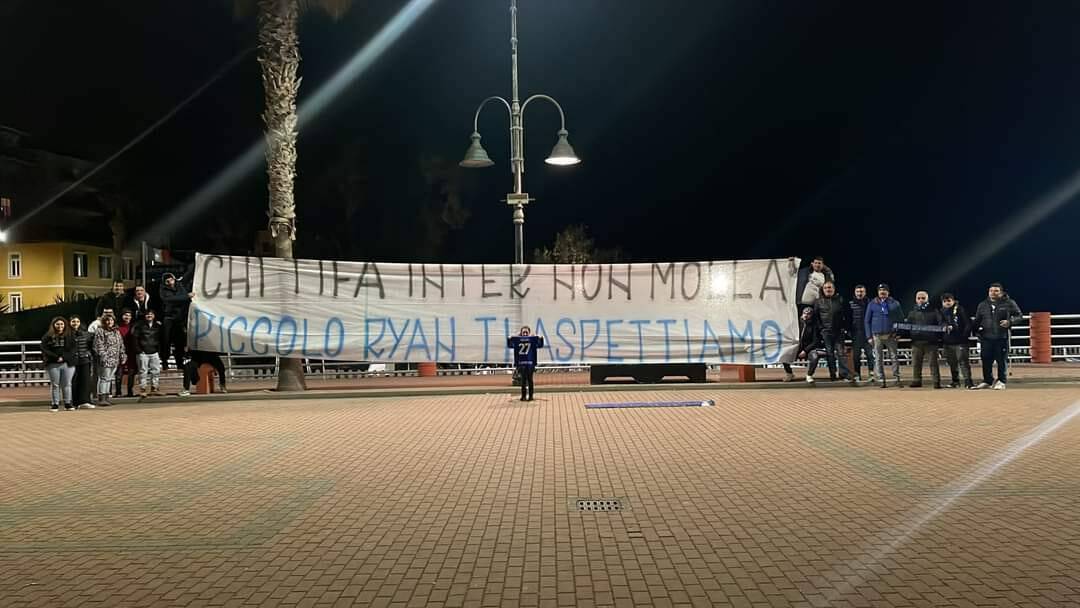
pixel 279 57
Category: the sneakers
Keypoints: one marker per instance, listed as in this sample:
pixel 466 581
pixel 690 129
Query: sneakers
pixel 937 385
pixel 789 377
pixel 810 380
pixel 184 393
pixel 88 406
pixel 915 385
pixel 223 391
pixel 980 386
pixel 69 408
pixel 999 386
pixel 859 380
pixel 850 381
pixel 54 407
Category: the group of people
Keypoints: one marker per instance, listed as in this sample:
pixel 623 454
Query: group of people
pixel 873 326
pixel 86 366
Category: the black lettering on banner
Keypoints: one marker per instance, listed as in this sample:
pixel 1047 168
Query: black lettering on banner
pixel 599 281
pixel 484 293
pixel 361 282
pixel 734 291
pixel 410 281
pixel 697 286
pixel 246 280
pixel 773 266
pixel 337 279
pixel 515 283
pixel 463 280
pixel 612 283
pixel 557 282
pixel 295 274
pixel 321 278
pixel 664 278
pixel 206 266
pixel 441 285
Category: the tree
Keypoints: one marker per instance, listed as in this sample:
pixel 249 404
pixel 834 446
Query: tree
pixel 279 58
pixel 573 245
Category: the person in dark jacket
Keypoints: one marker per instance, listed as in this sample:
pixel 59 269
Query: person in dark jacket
pixel 131 366
pixel 57 354
pixel 140 304
pixel 882 314
pixel 811 343
pixel 860 341
pixel 808 285
pixel 956 339
pixel 831 316
pixel 924 342
pixel 147 340
pixel 116 299
pixel 193 361
pixel 82 351
pixel 174 300
pixel 994 318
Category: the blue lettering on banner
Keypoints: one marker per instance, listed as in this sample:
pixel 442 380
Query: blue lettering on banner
pixel 397 337
pixel 303 343
pixel 667 334
pixel 558 332
pixel 612 346
pixel 542 332
pixel 232 324
pixel 686 336
pixel 774 326
pixel 747 334
pixel 596 336
pixel 209 326
pixel 292 342
pixel 709 338
pixel 368 343
pixel 440 345
pixel 418 330
pixel 341 337
pixel 255 328
pixel 640 337
pixel 487 341
pixel 221 334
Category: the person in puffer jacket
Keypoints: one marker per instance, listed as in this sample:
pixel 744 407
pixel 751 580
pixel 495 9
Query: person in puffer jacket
pixel 994 319
pixel 111 354
pixel 957 340
pixel 924 343
pixel 84 358
pixel 57 355
pixel 147 340
pixel 831 315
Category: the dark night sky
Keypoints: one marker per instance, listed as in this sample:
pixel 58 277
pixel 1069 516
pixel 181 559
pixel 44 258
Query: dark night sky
pixel 896 141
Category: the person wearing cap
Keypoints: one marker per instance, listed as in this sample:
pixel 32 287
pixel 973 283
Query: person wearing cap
pixel 175 299
pixel 882 314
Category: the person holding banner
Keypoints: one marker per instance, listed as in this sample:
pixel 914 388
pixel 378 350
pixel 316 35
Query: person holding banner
pixel 525 346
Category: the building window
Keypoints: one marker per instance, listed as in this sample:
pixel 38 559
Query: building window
pixel 79 263
pixel 104 266
pixel 14 267
pixel 14 302
pixel 128 270
pixel 5 207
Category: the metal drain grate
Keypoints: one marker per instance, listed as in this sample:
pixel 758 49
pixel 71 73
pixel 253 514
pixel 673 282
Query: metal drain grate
pixel 608 504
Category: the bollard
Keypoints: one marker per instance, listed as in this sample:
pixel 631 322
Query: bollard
pixel 427 370
pixel 1039 330
pixel 206 379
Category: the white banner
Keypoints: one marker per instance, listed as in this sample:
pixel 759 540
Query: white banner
pixel 711 312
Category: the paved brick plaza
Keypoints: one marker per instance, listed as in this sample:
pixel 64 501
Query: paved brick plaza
pixel 844 497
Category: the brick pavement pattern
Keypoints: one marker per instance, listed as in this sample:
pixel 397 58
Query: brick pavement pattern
pixel 816 497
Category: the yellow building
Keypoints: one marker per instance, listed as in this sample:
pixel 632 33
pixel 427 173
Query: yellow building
pixel 37 274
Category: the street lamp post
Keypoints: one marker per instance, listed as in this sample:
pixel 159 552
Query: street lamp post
pixel 476 156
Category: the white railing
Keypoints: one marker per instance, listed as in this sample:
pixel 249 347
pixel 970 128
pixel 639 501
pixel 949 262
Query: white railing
pixel 21 365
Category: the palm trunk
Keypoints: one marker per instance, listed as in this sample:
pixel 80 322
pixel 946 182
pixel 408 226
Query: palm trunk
pixel 279 56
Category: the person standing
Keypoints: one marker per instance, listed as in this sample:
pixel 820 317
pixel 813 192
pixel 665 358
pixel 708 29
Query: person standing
pixel 140 304
pixel 831 316
pixel 81 349
pixel 174 300
pixel 808 286
pixel 131 367
pixel 957 343
pixel 525 346
pixel 147 340
pixel 109 347
pixel 115 299
pixel 994 317
pixel 57 354
pixel 882 314
pixel 860 342
pixel 924 341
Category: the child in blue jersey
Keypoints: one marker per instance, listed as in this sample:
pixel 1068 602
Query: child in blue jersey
pixel 525 346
